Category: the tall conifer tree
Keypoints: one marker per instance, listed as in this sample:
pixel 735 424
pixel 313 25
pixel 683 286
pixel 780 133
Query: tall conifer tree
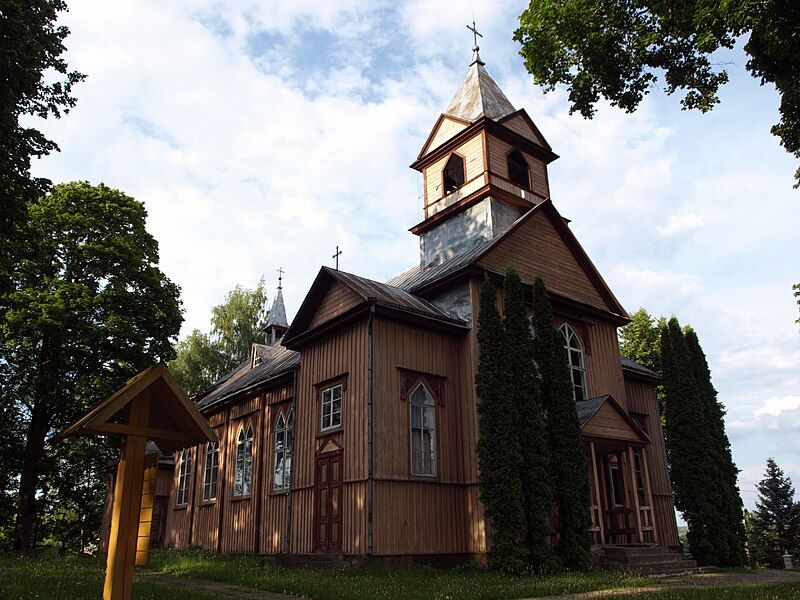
pixel 568 468
pixel 529 422
pixel 730 500
pixel 775 524
pixel 499 453
pixel 701 480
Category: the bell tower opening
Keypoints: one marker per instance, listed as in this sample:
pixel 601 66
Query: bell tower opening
pixel 453 174
pixel 518 169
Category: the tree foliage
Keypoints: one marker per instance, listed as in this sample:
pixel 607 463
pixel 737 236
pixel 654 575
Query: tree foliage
pixel 36 82
pixel 617 50
pixel 640 340
pixel 568 468
pixel 796 288
pixel 500 460
pixel 529 423
pixel 237 323
pixel 88 309
pixel 774 526
pixel 701 467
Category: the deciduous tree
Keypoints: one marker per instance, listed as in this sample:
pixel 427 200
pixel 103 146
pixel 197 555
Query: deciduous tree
pixel 617 50
pixel 88 309
pixel 237 323
pixel 529 423
pixel 35 82
pixel 568 468
pixel 499 454
pixel 640 340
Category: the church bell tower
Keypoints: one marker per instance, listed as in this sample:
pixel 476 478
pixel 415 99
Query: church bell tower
pixel 483 165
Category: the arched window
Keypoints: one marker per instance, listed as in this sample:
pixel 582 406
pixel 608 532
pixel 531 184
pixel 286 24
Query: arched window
pixel 577 366
pixel 184 475
pixel 518 169
pixel 453 174
pixel 210 471
pixel 243 471
pixel 423 431
pixel 284 440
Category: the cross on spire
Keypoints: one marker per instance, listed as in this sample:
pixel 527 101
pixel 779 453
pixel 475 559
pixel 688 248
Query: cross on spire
pixel 280 277
pixel 476 58
pixel 336 256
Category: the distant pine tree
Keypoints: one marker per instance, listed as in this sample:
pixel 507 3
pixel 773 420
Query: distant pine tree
pixel 568 468
pixel 730 500
pixel 529 423
pixel 691 432
pixel 499 453
pixel 774 527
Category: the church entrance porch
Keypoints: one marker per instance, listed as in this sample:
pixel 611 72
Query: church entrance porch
pixel 621 503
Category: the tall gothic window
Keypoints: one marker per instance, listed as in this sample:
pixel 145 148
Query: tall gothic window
pixel 423 431
pixel 518 169
pixel 453 174
pixel 243 470
pixel 211 471
pixel 184 475
pixel 284 441
pixel 577 366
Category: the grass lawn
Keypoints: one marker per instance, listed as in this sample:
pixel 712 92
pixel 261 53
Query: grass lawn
pixel 72 578
pixel 418 583
pixel 77 578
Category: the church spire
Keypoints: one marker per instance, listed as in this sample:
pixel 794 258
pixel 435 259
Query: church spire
pixel 479 95
pixel 277 324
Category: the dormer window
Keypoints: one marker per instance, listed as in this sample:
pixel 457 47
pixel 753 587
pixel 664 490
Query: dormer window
pixel 453 174
pixel 518 170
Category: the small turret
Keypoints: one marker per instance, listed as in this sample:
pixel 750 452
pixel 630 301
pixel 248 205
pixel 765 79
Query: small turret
pixel 277 324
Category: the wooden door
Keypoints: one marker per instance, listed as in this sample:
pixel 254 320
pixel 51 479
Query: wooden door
pixel 328 503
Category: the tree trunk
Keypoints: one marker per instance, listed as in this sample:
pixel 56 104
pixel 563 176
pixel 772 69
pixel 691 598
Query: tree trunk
pixel 29 480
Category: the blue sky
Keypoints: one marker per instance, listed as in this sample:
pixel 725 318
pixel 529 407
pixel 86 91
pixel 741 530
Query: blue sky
pixel 262 134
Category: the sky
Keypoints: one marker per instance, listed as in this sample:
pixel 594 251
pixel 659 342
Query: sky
pixel 263 134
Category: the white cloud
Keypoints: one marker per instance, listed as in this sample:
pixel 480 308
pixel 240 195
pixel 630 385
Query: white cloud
pixel 778 404
pixel 263 134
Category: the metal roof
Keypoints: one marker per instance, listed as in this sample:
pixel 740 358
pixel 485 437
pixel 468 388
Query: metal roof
pixel 275 361
pixel 277 314
pixel 479 96
pixel 637 368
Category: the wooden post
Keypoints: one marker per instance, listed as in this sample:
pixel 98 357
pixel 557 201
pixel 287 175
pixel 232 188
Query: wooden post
pixel 127 498
pixel 600 516
pixel 645 468
pixel 635 494
pixel 146 516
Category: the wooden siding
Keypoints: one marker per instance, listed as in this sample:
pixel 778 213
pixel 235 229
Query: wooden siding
pixel 447 129
pixel 338 300
pixel 643 402
pixel 345 352
pixel 608 424
pixel 498 150
pixel 519 125
pixel 424 518
pixel 536 248
pixel 474 165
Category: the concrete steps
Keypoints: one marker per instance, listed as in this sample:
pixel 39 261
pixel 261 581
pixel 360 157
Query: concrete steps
pixel 645 559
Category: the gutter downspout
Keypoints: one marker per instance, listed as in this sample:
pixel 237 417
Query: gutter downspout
pixel 370 459
pixel 287 543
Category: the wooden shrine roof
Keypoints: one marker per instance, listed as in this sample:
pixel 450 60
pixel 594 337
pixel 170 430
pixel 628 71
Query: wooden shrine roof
pixel 587 409
pixel 174 421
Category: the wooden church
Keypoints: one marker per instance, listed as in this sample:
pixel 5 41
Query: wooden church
pixel 352 431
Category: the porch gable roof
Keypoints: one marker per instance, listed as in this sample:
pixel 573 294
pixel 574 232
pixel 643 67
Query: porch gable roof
pixel 603 417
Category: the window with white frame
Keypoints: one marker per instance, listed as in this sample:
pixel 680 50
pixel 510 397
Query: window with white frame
pixel 422 420
pixel 284 440
pixel 243 470
pixel 210 471
pixel 331 413
pixel 577 366
pixel 184 474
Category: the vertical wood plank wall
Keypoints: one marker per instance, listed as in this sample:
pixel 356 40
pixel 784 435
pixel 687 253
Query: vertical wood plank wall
pixel 642 400
pixel 498 163
pixel 419 515
pixel 474 165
